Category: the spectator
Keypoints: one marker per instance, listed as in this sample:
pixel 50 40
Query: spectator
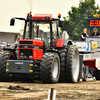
pixel 96 33
pixel 84 34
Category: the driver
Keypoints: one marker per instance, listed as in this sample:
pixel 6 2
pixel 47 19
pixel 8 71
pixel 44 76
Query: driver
pixel 39 33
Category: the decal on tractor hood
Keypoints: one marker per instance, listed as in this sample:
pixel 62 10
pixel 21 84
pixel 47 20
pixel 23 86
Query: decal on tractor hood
pixel 18 62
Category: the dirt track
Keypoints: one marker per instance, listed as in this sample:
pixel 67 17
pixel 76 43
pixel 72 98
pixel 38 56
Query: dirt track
pixel 39 91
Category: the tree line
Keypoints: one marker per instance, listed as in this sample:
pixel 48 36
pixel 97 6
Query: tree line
pixel 75 22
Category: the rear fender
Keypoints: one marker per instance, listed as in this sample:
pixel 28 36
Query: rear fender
pixel 10 50
pixel 67 42
pixel 63 42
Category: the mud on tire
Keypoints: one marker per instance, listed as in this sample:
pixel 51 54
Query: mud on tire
pixel 50 68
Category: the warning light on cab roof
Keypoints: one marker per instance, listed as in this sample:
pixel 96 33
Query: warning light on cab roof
pixel 28 14
pixel 59 15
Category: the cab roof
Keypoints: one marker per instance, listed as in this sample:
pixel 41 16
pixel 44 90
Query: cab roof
pixel 42 17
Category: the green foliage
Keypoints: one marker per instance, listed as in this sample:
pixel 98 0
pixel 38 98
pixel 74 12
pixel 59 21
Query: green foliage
pixel 75 22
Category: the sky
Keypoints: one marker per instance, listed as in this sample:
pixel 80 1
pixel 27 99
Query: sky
pixel 20 8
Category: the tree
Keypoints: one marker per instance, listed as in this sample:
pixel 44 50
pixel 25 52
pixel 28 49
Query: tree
pixel 75 22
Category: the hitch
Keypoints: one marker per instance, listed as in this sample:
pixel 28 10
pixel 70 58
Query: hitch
pixel 89 73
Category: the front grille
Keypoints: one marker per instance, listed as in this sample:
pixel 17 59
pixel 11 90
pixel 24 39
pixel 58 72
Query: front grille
pixel 35 47
pixel 26 53
pixel 25 42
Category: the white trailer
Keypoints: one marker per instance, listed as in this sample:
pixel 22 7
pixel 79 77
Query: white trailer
pixel 90 52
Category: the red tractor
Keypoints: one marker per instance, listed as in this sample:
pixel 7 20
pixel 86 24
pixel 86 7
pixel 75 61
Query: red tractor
pixel 42 52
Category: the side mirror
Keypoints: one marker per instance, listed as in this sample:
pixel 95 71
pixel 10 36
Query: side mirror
pixel 12 22
pixel 60 23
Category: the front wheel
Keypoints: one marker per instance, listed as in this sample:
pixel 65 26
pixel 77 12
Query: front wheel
pixel 72 64
pixel 4 56
pixel 50 68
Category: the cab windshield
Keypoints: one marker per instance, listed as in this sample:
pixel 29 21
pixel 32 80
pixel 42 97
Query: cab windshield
pixel 40 30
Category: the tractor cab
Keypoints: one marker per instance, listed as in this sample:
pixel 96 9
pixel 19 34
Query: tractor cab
pixel 41 27
pixel 43 30
pixel 40 33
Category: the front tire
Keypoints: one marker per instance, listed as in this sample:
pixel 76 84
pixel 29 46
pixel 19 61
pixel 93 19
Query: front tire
pixel 50 68
pixel 4 56
pixel 72 64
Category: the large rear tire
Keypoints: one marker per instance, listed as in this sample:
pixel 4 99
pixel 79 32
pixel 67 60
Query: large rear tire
pixel 63 54
pixel 50 68
pixel 83 72
pixel 72 64
pixel 97 74
pixel 4 56
pixel 62 65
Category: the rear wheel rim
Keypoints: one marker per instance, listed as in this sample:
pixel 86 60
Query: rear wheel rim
pixel 75 68
pixel 83 72
pixel 55 68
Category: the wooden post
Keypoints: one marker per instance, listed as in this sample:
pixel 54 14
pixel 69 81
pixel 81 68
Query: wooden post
pixel 52 94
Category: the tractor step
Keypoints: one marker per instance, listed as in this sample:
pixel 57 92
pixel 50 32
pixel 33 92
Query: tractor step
pixel 36 75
